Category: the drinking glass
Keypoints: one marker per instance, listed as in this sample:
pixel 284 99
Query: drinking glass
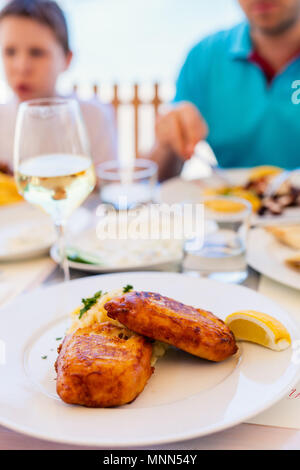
pixel 221 255
pixel 52 164
pixel 126 187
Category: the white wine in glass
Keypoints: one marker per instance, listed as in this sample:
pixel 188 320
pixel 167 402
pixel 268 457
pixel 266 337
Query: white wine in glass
pixel 52 163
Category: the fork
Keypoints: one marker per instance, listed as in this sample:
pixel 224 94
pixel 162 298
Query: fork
pixel 276 182
pixel 207 155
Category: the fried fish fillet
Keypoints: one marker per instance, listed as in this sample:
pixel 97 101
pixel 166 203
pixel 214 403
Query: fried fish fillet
pixel 102 365
pixel 194 330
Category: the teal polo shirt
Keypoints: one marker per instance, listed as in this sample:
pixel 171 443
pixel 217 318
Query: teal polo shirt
pixel 251 122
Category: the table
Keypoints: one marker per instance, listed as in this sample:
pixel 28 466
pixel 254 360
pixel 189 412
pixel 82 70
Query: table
pixel 243 436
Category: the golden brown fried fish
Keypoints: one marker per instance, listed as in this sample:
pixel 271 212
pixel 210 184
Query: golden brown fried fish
pixel 102 365
pixel 194 330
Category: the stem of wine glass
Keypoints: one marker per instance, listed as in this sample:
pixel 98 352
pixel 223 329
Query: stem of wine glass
pixel 63 260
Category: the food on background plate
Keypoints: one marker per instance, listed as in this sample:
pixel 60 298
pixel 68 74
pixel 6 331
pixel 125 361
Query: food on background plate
pixel 235 191
pixel 254 191
pixel 260 328
pixel 103 365
pixel 193 330
pixel 224 205
pixel 5 169
pixel 116 253
pixel 263 171
pixel 293 262
pixel 287 234
pixel 8 190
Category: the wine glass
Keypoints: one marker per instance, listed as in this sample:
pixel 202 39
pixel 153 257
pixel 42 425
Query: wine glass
pixel 52 164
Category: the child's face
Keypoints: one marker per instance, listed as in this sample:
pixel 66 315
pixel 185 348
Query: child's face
pixel 32 57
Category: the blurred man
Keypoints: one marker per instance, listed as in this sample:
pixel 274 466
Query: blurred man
pixel 235 90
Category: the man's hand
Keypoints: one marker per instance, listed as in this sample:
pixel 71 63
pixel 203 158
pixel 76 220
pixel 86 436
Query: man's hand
pixel 180 128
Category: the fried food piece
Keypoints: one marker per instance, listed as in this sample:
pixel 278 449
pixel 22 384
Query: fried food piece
pixel 294 262
pixel 194 330
pixel 102 365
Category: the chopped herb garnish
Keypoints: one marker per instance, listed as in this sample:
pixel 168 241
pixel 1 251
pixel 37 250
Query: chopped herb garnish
pixel 127 288
pixel 89 302
pixel 44 357
pixel 58 339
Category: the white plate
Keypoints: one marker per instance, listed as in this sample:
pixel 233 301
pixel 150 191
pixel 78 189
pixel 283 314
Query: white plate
pixel 186 397
pixel 266 255
pixel 27 232
pixel 122 255
pixel 178 190
pixel 99 268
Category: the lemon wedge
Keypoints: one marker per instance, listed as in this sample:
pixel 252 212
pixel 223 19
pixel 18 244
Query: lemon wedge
pixel 259 328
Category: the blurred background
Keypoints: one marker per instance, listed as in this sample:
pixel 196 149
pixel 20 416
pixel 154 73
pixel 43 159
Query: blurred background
pixel 128 42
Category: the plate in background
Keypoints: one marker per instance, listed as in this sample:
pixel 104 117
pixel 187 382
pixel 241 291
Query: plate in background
pixel 117 255
pixel 27 232
pixel 266 255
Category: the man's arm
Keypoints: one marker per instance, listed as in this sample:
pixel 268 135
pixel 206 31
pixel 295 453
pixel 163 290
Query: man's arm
pixel 181 126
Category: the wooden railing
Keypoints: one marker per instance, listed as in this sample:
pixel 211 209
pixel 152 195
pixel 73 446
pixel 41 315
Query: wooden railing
pixel 136 102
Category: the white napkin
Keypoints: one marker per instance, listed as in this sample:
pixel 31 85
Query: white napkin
pixel 16 278
pixel 286 413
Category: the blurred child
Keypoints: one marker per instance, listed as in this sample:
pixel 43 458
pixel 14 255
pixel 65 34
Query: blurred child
pixel 35 51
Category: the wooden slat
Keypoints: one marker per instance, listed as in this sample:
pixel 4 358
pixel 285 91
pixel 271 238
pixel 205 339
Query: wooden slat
pixel 136 102
pixel 115 102
pixel 156 101
pixel 96 90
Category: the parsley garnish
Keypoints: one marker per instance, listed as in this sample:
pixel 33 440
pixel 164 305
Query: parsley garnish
pixel 44 357
pixel 127 288
pixel 58 339
pixel 89 302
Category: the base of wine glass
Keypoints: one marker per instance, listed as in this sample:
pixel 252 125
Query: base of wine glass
pixel 233 277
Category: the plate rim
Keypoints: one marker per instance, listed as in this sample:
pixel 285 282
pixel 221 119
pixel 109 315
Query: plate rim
pixel 254 266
